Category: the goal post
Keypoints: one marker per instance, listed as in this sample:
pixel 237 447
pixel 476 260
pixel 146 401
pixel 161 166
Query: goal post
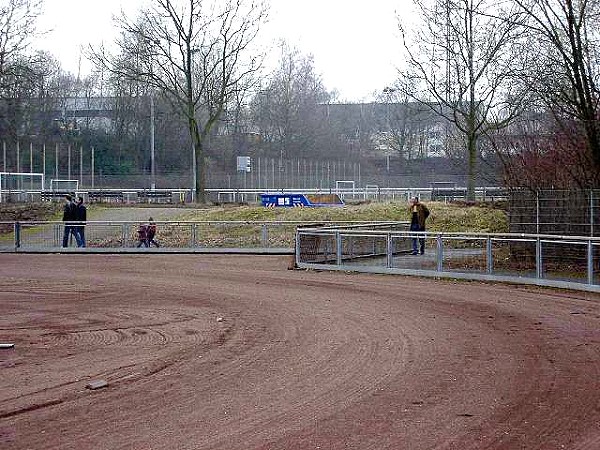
pixel 61 185
pixel 371 191
pixel 19 182
pixel 343 187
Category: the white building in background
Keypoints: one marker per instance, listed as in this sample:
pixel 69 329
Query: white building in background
pixel 408 129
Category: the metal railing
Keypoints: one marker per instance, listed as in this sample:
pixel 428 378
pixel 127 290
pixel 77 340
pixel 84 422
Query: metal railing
pixel 273 237
pixel 547 260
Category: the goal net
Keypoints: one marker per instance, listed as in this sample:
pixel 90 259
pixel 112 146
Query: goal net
pixel 64 185
pixel 371 191
pixel 345 187
pixel 21 181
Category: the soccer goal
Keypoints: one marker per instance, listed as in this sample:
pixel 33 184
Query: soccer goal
pixel 19 182
pixel 345 187
pixel 371 191
pixel 64 185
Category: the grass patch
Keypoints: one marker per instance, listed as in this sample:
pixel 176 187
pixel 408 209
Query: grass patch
pixel 444 217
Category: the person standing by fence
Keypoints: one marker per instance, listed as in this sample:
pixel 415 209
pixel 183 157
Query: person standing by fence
pixel 81 214
pixel 418 214
pixel 69 216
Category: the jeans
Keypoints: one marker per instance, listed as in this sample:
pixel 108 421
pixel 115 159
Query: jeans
pixel 71 230
pixel 418 244
pixel 81 233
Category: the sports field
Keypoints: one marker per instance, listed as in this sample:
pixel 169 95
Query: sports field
pixel 238 352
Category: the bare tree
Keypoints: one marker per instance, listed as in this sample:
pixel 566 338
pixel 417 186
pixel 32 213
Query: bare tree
pixel 198 53
pixel 409 128
pixel 287 109
pixel 17 27
pixel 461 61
pixel 566 40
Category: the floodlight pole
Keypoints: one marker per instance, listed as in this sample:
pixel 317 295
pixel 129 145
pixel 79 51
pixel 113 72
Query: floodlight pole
pixel 81 165
pixel 92 167
pixel 194 174
pixel 43 165
pixel 69 161
pixel 152 166
pixel 56 161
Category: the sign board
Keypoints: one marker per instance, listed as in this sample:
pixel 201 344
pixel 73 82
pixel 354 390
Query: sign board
pixel 243 164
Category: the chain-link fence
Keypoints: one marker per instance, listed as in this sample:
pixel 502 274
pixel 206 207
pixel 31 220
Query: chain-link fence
pixel 568 212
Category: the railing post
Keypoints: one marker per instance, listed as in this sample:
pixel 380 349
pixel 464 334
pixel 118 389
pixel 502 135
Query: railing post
pixel 439 253
pixel 537 212
pixel 124 235
pixel 390 250
pixel 338 248
pixel 297 246
pixel 590 262
pixel 193 235
pixel 265 235
pixel 489 255
pixel 539 272
pixel 17 228
pixel 591 213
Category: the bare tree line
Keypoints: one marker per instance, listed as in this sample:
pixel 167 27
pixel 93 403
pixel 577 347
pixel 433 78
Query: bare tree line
pixel 485 66
pixel 476 75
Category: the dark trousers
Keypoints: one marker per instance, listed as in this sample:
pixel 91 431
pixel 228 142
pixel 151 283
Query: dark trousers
pixel 418 244
pixel 81 233
pixel 71 230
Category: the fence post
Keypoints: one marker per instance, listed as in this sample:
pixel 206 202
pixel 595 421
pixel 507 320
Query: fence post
pixel 297 246
pixel 17 228
pixel 338 248
pixel 537 212
pixel 590 262
pixel 390 250
pixel 591 212
pixel 439 253
pixel 193 235
pixel 124 235
pixel 265 235
pixel 539 273
pixel 489 257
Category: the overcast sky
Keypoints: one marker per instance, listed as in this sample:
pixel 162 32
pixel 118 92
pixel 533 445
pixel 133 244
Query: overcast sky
pixel 354 42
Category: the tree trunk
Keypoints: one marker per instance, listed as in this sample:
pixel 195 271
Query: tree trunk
pixel 200 177
pixel 472 162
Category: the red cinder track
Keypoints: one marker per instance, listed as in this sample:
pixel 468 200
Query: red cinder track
pixel 237 352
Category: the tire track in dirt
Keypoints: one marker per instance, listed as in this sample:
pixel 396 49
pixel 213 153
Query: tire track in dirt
pixel 299 359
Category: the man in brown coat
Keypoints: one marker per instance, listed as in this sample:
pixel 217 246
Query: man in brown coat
pixel 418 215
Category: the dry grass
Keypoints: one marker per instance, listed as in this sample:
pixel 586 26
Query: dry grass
pixel 444 217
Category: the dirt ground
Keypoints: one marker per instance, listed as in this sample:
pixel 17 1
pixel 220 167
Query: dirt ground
pixel 237 352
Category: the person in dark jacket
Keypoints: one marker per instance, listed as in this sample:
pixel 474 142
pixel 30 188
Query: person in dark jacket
pixel 69 216
pixel 142 235
pixel 152 233
pixel 418 216
pixel 81 214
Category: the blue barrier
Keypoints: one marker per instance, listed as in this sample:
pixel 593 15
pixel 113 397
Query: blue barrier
pixel 300 200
